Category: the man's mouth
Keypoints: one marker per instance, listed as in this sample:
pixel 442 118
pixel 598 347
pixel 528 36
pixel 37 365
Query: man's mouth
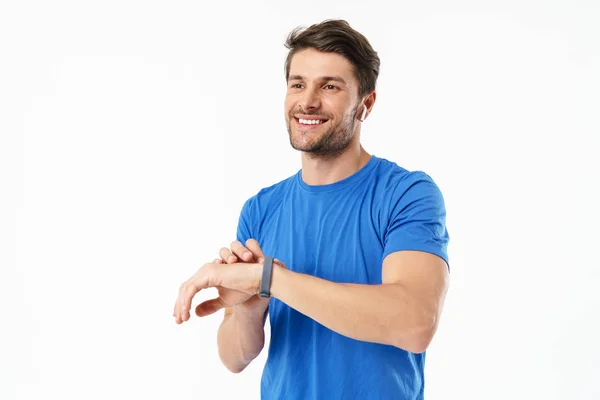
pixel 310 122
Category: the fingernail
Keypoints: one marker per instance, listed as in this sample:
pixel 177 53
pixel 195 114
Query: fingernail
pixel 247 254
pixel 231 258
pixel 261 259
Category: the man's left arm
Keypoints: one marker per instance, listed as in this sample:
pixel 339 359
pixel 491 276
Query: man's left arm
pixel 403 311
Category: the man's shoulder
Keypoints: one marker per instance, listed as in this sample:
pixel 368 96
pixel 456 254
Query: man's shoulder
pixel 398 180
pixel 395 174
pixel 277 188
pixel 269 196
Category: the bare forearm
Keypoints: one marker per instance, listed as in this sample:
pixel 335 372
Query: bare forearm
pixel 387 314
pixel 241 336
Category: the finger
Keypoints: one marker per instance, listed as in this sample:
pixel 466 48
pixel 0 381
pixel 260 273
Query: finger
pixel 209 307
pixel 179 306
pixel 186 302
pixel 176 307
pixel 187 292
pixel 177 312
pixel 254 247
pixel 281 263
pixel 239 250
pixel 227 256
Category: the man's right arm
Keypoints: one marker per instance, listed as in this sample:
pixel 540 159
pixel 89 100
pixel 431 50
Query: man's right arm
pixel 241 336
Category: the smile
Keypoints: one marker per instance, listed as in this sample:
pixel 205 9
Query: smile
pixel 307 122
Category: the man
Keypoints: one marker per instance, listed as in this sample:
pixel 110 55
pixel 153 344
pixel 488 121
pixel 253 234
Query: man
pixel 361 275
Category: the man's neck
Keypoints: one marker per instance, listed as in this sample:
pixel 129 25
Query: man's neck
pixel 317 171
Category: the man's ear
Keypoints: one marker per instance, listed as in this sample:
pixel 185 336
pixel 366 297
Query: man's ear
pixel 368 104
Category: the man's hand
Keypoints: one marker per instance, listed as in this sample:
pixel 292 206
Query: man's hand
pixel 252 251
pixel 230 296
pixel 241 278
pixel 236 283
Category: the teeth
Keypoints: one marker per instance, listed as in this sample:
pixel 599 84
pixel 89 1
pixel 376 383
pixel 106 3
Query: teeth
pixel 309 121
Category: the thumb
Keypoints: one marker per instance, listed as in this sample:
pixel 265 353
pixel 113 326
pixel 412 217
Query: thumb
pixel 209 307
pixel 254 247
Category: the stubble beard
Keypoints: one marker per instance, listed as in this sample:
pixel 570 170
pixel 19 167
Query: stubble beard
pixel 331 143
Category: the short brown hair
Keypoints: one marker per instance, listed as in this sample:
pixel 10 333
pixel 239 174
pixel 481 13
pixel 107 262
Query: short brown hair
pixel 336 36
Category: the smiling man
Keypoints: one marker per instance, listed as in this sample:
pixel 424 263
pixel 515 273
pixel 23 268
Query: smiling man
pixel 356 292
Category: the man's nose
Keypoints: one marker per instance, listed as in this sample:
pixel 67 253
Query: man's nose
pixel 310 99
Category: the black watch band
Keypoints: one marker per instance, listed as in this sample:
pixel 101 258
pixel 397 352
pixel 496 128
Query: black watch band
pixel 265 283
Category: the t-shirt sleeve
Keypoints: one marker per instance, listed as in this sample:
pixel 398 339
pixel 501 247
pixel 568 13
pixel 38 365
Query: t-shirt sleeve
pixel 244 231
pixel 418 218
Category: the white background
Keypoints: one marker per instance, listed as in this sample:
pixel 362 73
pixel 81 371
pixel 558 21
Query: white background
pixel 131 133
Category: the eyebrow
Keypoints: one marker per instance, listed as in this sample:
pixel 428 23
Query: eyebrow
pixel 321 78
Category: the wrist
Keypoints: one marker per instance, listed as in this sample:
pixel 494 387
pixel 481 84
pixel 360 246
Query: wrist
pixel 277 277
pixel 267 270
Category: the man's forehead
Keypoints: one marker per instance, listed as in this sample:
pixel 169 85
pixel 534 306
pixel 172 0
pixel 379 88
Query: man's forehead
pixel 313 64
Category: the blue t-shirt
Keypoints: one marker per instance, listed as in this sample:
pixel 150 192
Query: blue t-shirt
pixel 342 232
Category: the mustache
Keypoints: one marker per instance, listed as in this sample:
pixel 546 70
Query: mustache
pixel 301 111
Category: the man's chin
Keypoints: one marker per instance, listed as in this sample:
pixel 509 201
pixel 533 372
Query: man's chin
pixel 305 147
pixel 306 142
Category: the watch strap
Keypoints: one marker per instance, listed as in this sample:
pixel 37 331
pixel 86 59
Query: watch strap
pixel 265 283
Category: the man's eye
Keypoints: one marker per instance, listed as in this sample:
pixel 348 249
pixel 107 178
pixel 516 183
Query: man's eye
pixel 330 87
pixel 296 86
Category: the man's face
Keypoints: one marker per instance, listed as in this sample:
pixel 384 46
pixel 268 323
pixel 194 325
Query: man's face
pixel 321 102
